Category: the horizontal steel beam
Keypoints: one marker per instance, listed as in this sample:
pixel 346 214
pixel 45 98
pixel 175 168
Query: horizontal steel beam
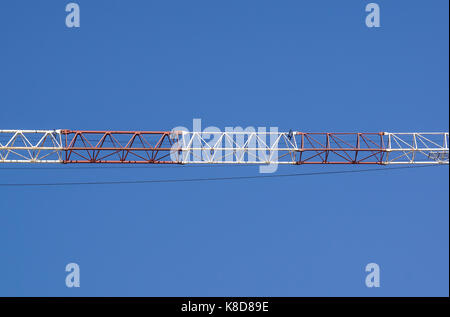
pixel 240 147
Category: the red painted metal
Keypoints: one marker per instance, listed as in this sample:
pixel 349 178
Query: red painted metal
pixel 147 147
pixel 340 148
pixel 154 147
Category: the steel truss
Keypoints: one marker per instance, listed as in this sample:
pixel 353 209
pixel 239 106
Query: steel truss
pixel 313 148
pixel 31 146
pixel 179 147
pixel 142 147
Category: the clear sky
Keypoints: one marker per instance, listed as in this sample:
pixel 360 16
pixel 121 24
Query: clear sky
pixel 153 65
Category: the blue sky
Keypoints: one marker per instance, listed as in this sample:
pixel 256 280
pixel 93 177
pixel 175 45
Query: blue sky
pixel 153 65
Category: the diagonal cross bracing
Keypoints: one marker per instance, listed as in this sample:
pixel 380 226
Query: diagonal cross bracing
pixel 168 147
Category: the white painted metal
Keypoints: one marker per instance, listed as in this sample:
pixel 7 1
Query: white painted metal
pixel 417 148
pixel 31 146
pixel 237 148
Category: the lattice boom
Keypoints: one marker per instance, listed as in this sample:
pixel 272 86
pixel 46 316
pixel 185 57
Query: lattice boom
pixel 177 147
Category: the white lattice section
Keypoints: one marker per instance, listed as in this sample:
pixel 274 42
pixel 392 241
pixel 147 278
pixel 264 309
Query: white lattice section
pixel 417 148
pixel 31 146
pixel 238 147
